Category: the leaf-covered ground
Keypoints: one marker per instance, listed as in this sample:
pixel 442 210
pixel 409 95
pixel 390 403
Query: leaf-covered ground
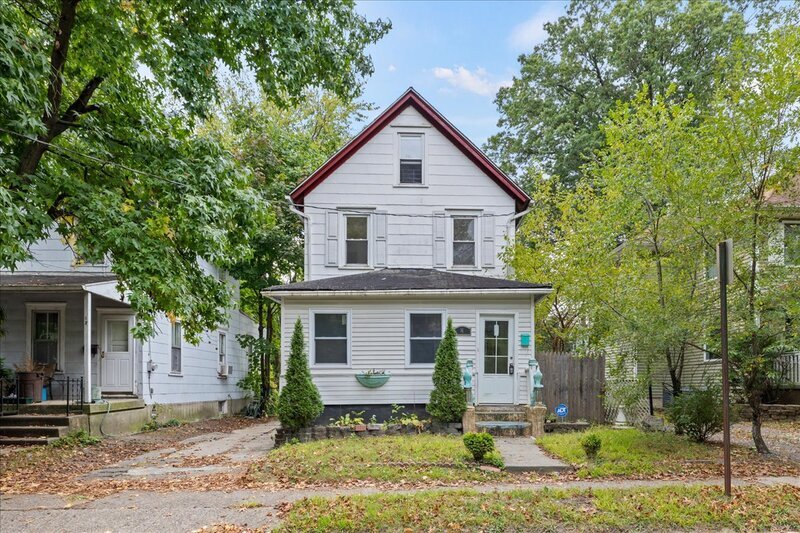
pixel 399 459
pixel 669 508
pixel 632 453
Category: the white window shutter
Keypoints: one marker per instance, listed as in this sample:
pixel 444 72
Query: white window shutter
pixel 380 238
pixel 332 238
pixel 487 242
pixel 439 240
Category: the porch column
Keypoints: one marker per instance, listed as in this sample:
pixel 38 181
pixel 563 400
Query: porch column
pixel 87 346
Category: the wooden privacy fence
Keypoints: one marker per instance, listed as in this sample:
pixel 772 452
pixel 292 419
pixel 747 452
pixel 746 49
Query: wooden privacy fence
pixel 576 382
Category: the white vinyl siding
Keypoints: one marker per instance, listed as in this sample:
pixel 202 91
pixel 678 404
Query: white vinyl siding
pixel 409 236
pixel 378 340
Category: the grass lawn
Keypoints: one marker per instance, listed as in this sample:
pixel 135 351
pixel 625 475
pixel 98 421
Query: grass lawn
pixel 679 507
pixel 631 452
pixel 396 459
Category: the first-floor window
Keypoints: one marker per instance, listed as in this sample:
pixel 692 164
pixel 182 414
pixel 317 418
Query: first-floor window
pixel 791 243
pixel 709 355
pixel 223 354
pixel 175 366
pixel 330 338
pixel 45 342
pixel 424 336
pixel 464 241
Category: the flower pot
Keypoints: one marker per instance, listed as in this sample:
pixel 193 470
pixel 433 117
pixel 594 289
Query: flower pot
pixel 30 385
pixel 372 381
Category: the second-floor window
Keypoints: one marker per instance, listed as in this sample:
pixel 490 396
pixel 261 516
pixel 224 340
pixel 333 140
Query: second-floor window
pixel 356 240
pixel 411 153
pixel 464 241
pixel 791 243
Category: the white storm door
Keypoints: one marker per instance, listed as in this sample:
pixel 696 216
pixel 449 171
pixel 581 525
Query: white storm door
pixel 117 353
pixel 496 367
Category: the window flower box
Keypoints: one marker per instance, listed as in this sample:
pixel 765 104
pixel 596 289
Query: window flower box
pixel 372 379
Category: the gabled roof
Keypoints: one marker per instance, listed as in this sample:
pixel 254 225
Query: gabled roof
pixel 412 98
pixel 408 279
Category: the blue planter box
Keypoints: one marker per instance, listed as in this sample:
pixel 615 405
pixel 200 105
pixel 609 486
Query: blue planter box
pixel 373 381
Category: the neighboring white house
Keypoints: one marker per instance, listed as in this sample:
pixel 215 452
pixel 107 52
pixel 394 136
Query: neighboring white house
pixel 72 317
pixel 405 227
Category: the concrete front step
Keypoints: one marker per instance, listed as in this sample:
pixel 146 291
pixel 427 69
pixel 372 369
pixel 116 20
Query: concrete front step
pixel 23 441
pixel 38 420
pixel 507 413
pixel 33 431
pixel 504 428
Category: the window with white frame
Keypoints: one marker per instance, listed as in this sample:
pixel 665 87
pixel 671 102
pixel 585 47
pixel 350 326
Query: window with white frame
pixel 46 331
pixel 176 342
pixel 356 239
pixel 222 352
pixel 411 154
pixel 791 243
pixel 425 330
pixel 709 356
pixel 331 342
pixel 464 240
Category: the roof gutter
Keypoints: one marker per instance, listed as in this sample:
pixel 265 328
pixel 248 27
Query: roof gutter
pixel 538 291
pixel 304 217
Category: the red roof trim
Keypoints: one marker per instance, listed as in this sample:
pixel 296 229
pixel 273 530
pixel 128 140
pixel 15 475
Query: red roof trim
pixel 412 98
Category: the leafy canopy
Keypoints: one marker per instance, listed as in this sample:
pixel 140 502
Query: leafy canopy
pixel 111 92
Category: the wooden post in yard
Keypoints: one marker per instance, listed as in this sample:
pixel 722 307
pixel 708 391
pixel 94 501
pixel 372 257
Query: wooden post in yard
pixel 725 267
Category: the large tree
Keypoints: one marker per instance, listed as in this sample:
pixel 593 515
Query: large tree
pixel 98 140
pixel 601 52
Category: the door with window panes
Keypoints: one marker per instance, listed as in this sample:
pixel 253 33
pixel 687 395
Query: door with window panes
pixel 496 365
pixel 116 354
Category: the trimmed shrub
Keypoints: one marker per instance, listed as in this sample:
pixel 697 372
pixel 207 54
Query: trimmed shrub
pixel 495 459
pixel 448 401
pixel 299 403
pixel 697 414
pixel 478 444
pixel 591 444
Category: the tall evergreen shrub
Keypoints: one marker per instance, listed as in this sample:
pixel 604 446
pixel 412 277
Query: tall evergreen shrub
pixel 299 403
pixel 448 401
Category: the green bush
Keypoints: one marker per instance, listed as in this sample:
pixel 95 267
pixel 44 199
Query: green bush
pixel 697 414
pixel 591 444
pixel 299 403
pixel 74 439
pixel 448 401
pixel 478 444
pixel 494 458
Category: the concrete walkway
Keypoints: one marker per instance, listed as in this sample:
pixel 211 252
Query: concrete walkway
pixel 182 512
pixel 521 454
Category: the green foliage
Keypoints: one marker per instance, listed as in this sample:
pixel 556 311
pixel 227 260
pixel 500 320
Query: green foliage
pixel 118 168
pixel 354 418
pixel 591 443
pixel 494 458
pixel 697 414
pixel 448 401
pixel 299 402
pixel 75 439
pixel 399 416
pixel 603 52
pixel 478 444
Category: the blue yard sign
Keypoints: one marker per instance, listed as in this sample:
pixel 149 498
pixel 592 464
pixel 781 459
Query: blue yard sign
pixel 562 410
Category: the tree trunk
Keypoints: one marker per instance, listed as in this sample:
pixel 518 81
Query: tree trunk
pixel 756 419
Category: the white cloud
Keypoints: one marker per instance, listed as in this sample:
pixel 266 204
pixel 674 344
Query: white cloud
pixel 475 81
pixel 531 32
pixel 392 68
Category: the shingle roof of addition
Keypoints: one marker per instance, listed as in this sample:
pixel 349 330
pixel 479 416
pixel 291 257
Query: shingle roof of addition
pixel 413 99
pixel 10 280
pixel 406 279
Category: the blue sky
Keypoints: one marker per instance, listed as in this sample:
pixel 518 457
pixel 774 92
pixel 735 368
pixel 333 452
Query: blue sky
pixel 456 54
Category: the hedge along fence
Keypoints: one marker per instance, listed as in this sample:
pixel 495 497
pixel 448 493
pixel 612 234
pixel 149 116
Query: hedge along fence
pixel 577 382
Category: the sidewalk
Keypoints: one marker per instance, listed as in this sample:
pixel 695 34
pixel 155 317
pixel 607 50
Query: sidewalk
pixel 521 454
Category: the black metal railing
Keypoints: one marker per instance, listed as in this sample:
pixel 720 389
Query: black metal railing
pixel 66 389
pixel 9 396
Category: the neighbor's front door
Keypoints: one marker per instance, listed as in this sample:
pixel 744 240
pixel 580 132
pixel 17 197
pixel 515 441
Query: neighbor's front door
pixel 496 377
pixel 116 353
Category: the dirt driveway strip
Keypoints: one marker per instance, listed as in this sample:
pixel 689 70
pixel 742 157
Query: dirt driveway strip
pixel 143 512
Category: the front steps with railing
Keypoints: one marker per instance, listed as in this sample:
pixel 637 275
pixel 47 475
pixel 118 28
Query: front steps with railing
pixel 502 420
pixel 30 429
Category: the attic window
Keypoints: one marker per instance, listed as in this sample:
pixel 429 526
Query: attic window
pixel 411 159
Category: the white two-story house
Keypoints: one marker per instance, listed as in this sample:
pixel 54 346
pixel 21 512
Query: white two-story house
pixel 405 227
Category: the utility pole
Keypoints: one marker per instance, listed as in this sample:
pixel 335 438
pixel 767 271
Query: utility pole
pixel 725 270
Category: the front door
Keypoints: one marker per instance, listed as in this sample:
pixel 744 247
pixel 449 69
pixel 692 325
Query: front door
pixel 496 378
pixel 116 353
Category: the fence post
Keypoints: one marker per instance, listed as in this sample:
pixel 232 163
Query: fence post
pixel 68 395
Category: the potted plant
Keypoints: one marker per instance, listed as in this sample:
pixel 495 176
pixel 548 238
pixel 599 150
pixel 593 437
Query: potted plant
pixel 374 378
pixel 31 379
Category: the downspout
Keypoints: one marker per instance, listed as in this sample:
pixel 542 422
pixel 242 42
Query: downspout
pixel 306 229
pixel 512 230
